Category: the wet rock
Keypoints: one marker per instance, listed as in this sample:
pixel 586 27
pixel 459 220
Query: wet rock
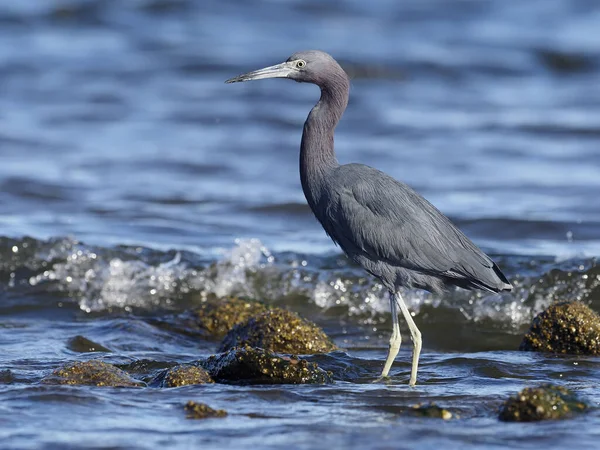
pixel 6 376
pixel 546 402
pixel 565 327
pixel 82 344
pixel 183 375
pixel 248 365
pixel 219 316
pixel 431 410
pixel 92 373
pixel 281 331
pixel 148 370
pixel 160 7
pixel 202 411
pixel 564 62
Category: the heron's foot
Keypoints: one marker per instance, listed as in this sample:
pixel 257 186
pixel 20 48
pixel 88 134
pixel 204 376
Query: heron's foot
pixel 387 379
pixel 382 379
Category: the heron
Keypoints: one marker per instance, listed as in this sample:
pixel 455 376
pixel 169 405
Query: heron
pixel 380 223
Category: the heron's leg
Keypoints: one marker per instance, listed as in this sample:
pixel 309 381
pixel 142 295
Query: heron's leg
pixel 395 340
pixel 415 335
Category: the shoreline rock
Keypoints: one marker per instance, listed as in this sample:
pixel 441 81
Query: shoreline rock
pixel 219 316
pixel 546 402
pixel 196 410
pixel 182 375
pixel 280 331
pixel 564 327
pixel 91 373
pixel 249 365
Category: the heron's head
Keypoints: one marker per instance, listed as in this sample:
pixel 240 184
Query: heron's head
pixel 311 66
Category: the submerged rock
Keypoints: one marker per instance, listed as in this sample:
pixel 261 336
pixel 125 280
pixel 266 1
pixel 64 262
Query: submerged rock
pixel 92 373
pixel 183 375
pixel 248 365
pixel 431 410
pixel 6 376
pixel 147 370
pixel 281 331
pixel 219 316
pixel 202 411
pixel 565 327
pixel 81 344
pixel 546 402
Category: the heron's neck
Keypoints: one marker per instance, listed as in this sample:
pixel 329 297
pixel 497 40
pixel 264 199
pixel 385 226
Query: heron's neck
pixel 317 154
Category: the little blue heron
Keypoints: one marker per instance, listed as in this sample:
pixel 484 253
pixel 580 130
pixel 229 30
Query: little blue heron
pixel 380 223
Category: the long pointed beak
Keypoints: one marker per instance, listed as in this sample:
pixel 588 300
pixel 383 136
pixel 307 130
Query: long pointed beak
pixel 282 70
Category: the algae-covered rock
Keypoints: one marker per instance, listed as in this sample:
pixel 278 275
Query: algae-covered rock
pixel 281 331
pixel 248 365
pixel 92 373
pixel 219 316
pixel 546 402
pixel 202 411
pixel 183 375
pixel 430 410
pixel 565 327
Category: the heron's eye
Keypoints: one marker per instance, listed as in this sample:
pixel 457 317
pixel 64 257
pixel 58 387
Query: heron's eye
pixel 300 64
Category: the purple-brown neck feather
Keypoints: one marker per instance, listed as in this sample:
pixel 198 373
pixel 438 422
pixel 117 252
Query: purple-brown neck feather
pixel 317 154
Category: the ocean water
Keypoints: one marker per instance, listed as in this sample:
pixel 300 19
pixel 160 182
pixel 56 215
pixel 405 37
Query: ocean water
pixel 135 184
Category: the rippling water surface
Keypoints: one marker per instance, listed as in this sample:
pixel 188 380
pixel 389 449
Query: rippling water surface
pixel 134 183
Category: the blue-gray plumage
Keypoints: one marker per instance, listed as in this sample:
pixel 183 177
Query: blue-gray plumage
pixel 380 223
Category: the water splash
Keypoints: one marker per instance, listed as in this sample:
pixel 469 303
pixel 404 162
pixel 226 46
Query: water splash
pixel 231 274
pixel 134 277
pixel 102 283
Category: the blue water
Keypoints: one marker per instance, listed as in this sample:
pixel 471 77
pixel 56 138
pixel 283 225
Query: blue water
pixel 134 182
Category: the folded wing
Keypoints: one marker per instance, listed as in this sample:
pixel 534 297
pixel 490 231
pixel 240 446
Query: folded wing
pixel 374 215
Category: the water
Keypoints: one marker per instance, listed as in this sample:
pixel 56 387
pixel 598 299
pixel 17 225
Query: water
pixel 134 183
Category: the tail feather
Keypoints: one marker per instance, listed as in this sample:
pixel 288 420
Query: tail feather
pixel 496 282
pixel 506 286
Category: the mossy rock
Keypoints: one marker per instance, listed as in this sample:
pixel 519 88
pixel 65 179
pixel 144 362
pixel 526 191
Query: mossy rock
pixel 148 370
pixel 219 316
pixel 183 375
pixel 202 411
pixel 546 402
pixel 91 373
pixel 281 331
pixel 565 327
pixel 248 365
pixel 430 410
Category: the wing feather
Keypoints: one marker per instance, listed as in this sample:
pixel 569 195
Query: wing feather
pixel 374 215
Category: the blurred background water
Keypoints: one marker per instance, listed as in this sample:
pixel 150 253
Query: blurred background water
pixel 134 181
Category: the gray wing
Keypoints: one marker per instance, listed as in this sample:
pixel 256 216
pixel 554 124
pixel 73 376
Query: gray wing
pixel 373 215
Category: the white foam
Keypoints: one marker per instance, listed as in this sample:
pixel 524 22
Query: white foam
pixel 100 284
pixel 249 269
pixel 231 273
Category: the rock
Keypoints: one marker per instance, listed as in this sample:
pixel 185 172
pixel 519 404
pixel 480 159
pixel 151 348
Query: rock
pixel 82 344
pixel 281 331
pixel 431 410
pixel 565 327
pixel 202 411
pixel 148 371
pixel 565 62
pixel 219 316
pixel 546 402
pixel 91 373
pixel 248 365
pixel 183 375
pixel 6 376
